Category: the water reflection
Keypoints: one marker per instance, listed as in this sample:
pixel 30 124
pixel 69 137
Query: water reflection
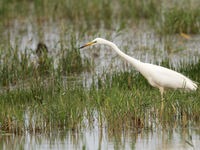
pixel 100 138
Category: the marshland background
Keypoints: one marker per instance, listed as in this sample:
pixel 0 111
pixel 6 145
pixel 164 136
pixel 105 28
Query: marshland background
pixel 68 98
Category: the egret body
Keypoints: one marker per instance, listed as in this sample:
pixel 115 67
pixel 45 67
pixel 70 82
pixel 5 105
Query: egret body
pixel 157 76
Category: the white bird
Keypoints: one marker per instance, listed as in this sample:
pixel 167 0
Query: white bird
pixel 157 76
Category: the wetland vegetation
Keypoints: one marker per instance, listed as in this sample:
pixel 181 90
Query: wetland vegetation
pixel 68 90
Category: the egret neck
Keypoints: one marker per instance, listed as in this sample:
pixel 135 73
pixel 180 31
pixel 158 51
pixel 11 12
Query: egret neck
pixel 136 63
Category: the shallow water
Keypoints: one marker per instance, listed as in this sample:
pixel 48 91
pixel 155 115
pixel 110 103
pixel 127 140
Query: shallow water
pixel 99 138
pixel 142 44
pixel 139 42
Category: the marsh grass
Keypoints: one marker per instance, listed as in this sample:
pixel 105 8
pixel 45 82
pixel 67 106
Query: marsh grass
pixel 12 67
pixel 42 98
pixel 30 90
pixel 133 102
pixel 71 60
pixel 18 66
pixel 175 18
pixel 121 99
pixel 170 19
pixel 180 20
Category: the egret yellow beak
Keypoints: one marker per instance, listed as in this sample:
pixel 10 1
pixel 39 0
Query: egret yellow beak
pixel 88 44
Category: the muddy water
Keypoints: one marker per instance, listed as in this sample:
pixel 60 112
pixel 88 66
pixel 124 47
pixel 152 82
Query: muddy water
pixel 142 44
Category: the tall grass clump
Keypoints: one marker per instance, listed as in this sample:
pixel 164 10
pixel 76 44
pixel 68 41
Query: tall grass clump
pixel 135 9
pixel 46 105
pixel 71 61
pixel 13 68
pixel 17 66
pixel 180 20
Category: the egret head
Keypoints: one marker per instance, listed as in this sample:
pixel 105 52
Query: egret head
pixel 95 41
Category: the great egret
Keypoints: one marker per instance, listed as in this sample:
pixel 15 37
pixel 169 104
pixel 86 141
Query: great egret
pixel 158 76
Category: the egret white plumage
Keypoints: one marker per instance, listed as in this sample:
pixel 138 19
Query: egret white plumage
pixel 157 76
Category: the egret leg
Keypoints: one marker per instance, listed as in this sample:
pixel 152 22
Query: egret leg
pixel 162 99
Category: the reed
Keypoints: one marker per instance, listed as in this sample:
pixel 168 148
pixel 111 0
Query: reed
pixel 41 96
pixel 121 99
pixel 164 18
pixel 180 20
